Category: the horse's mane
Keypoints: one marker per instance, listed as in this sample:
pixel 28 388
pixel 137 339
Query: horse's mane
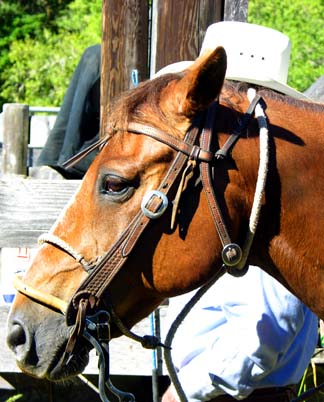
pixel 128 105
pixel 240 88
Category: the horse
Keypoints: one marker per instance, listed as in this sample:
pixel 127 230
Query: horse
pixel 141 227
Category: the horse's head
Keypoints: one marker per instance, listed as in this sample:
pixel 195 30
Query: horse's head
pixel 105 216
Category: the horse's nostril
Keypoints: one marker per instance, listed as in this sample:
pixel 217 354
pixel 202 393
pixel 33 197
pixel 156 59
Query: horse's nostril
pixel 16 337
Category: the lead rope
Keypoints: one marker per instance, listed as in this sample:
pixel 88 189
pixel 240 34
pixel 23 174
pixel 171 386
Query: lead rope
pixel 173 329
pixel 253 222
pixel 239 269
pixel 263 166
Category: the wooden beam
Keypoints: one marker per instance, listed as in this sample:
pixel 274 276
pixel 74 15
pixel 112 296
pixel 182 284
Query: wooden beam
pixel 124 49
pixel 209 13
pixel 178 28
pixel 236 10
pixel 29 207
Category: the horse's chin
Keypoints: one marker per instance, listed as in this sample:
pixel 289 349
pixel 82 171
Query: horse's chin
pixel 58 369
pixel 61 371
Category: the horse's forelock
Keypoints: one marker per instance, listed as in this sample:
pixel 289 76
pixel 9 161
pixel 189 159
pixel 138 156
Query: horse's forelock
pixel 128 107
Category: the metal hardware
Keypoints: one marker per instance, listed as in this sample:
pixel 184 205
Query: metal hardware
pixel 99 322
pixel 148 197
pixel 231 254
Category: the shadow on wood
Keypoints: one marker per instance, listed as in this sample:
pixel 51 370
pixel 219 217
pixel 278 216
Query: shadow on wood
pixel 33 390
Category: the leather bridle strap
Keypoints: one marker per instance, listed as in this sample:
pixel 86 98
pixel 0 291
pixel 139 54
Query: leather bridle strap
pixel 206 178
pixel 193 151
pixel 226 149
pixel 85 152
pixel 110 264
pixel 232 252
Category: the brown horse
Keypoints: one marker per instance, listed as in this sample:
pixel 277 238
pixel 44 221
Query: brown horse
pixel 163 261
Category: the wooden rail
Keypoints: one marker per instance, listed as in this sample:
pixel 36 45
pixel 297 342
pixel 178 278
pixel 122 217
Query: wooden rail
pixel 29 207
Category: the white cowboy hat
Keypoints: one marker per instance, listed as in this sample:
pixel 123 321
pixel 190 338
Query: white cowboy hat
pixel 255 54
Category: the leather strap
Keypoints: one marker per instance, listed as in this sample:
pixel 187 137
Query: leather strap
pixel 191 150
pixel 111 263
pixel 237 133
pixel 82 154
pixel 206 178
pixel 107 268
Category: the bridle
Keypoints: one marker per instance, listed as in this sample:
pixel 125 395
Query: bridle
pixel 83 310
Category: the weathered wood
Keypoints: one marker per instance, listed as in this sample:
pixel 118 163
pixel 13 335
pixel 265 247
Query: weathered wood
pixel 124 49
pixel 7 362
pixel 15 138
pixel 318 356
pixel 29 207
pixel 316 90
pixel 210 11
pixel 179 28
pixel 236 10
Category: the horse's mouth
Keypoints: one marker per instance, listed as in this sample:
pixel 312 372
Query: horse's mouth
pixel 63 367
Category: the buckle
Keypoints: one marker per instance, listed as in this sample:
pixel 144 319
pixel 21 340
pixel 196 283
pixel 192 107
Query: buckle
pixel 148 199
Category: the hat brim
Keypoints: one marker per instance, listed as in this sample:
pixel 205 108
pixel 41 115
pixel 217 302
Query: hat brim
pixel 177 67
pixel 265 82
pixel 272 84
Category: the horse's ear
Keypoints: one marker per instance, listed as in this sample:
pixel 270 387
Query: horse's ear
pixel 202 82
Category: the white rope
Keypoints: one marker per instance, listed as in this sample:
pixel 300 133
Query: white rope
pixel 263 165
pixel 52 239
pixel 89 383
pixel 261 180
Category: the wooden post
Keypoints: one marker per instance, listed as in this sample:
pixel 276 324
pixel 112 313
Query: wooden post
pixel 178 29
pixel 124 50
pixel 236 10
pixel 15 138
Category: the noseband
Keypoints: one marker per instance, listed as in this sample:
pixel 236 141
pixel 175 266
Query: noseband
pixel 85 301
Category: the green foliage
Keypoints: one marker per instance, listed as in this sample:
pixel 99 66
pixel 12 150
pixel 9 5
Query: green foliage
pixel 302 21
pixel 39 67
pixel 41 41
pixel 23 18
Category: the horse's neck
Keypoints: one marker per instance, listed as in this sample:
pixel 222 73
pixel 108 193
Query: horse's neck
pixel 289 233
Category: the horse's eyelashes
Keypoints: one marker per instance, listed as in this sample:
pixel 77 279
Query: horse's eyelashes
pixel 113 184
pixel 116 187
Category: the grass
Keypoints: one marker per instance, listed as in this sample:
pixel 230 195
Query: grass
pixel 14 398
pixel 313 377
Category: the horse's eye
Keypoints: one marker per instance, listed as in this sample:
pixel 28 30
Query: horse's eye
pixel 114 185
pixel 116 188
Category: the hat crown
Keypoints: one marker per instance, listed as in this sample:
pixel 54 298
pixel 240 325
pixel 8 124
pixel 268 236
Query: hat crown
pixel 253 51
pixel 255 54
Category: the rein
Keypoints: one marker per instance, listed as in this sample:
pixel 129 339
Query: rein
pixel 82 310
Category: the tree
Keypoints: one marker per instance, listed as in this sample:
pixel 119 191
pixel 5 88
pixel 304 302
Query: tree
pixel 41 42
pixel 302 21
pixel 40 63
